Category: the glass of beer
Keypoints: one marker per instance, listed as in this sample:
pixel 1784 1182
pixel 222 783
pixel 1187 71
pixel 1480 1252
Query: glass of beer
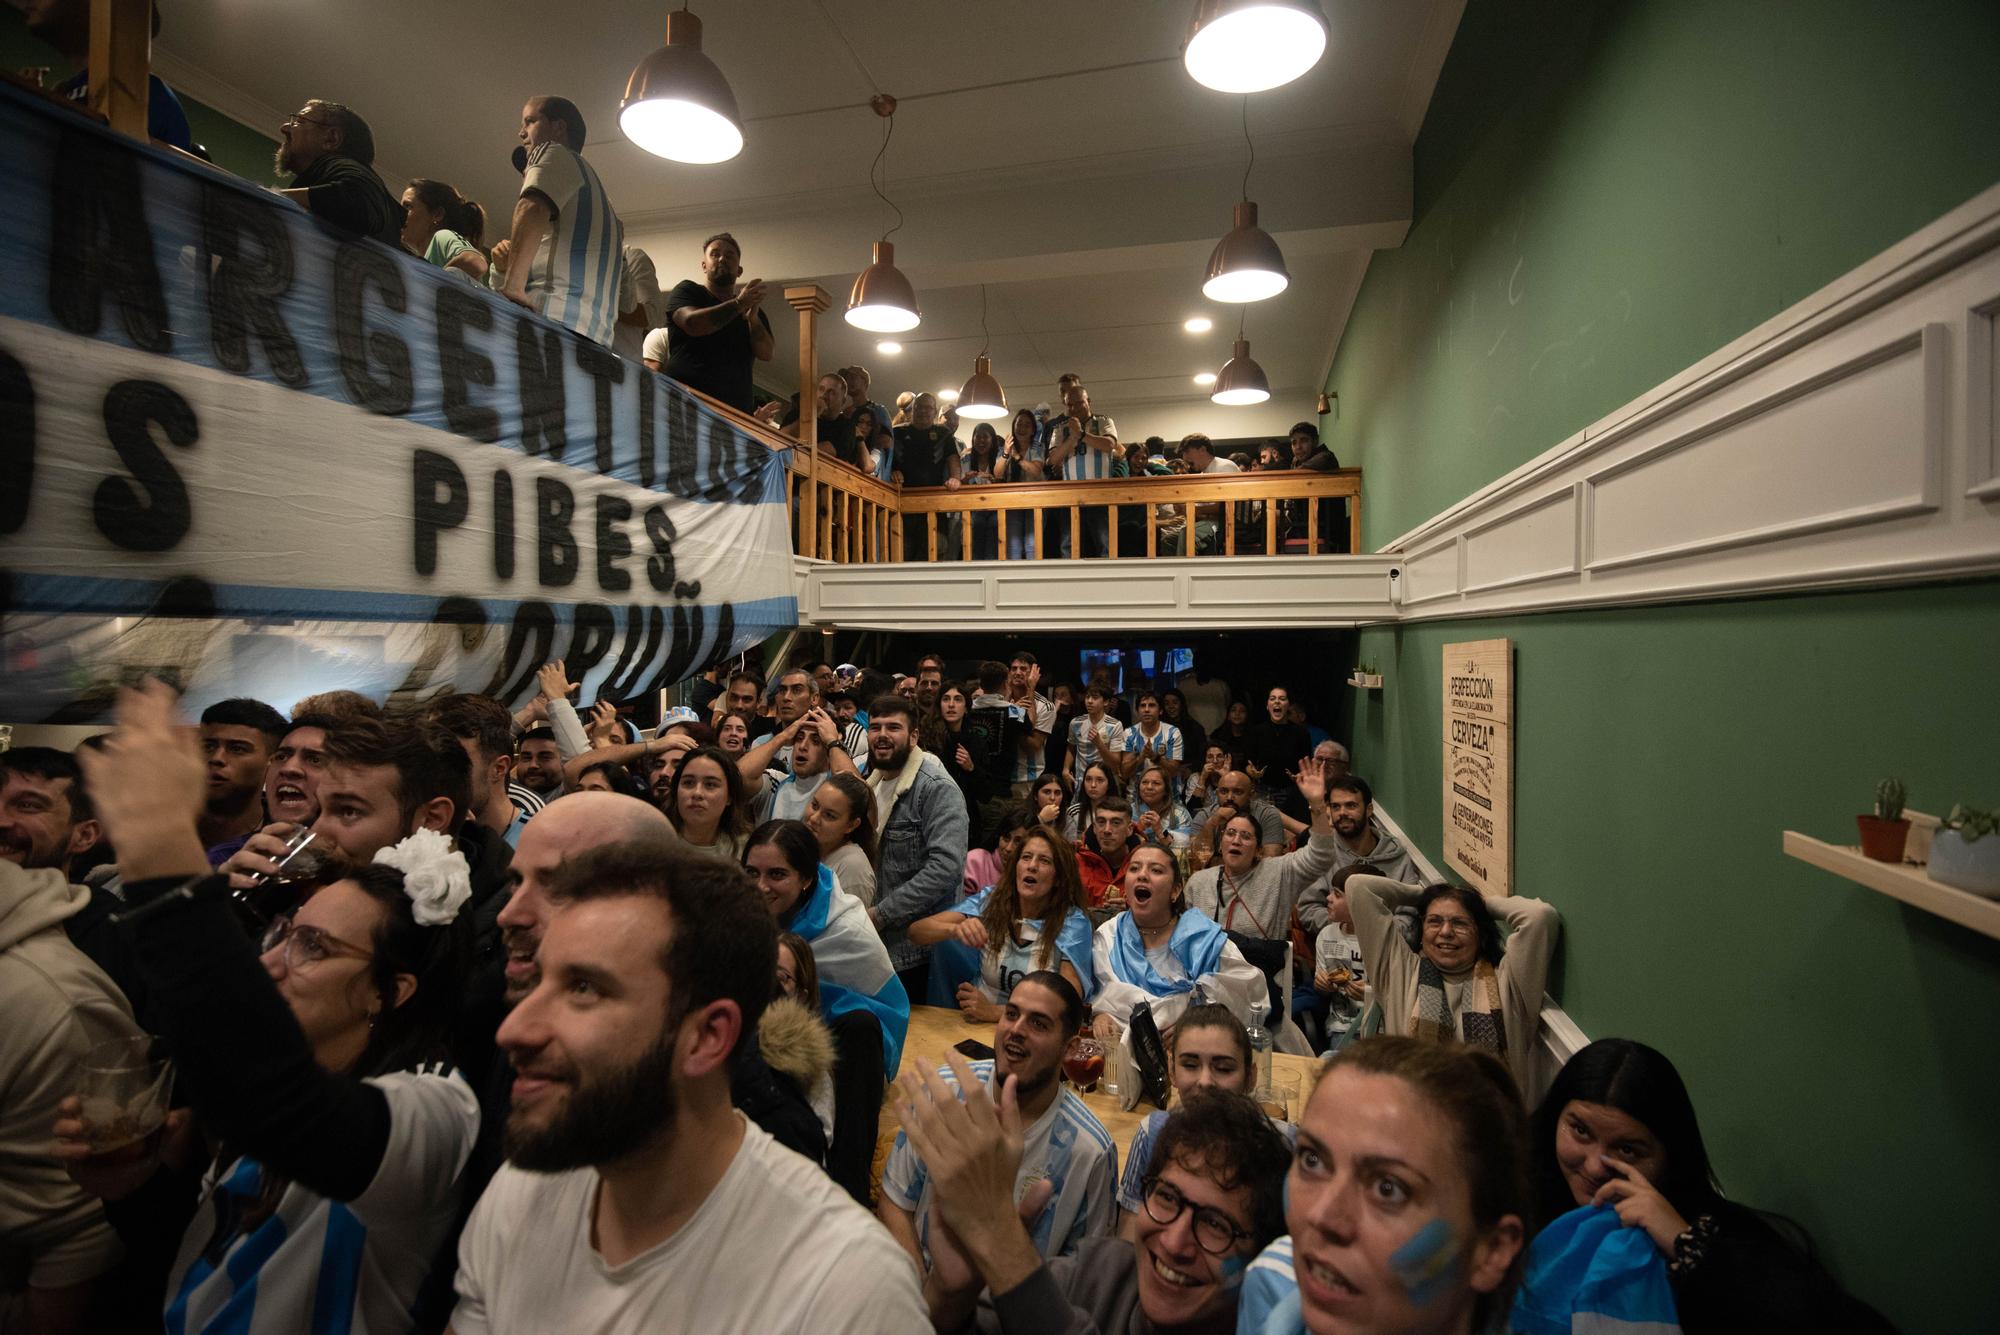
pixel 123 1086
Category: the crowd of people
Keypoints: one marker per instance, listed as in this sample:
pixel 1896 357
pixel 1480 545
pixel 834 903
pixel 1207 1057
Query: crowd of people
pixel 562 252
pixel 540 1020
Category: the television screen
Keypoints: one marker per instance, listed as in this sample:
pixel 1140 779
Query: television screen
pixel 1131 669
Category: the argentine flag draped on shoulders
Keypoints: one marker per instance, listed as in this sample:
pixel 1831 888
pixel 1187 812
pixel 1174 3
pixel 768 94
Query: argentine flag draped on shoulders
pixel 854 968
pixel 1269 1304
pixel 1072 942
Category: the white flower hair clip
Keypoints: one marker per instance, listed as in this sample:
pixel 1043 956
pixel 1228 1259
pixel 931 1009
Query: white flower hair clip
pixel 436 876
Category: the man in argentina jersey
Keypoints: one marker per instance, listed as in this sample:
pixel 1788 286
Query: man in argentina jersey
pixel 1063 1141
pixel 567 244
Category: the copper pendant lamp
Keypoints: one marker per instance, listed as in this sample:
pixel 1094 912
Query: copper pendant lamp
pixel 1246 265
pixel 982 398
pixel 677 104
pixel 882 301
pixel 1247 46
pixel 1241 381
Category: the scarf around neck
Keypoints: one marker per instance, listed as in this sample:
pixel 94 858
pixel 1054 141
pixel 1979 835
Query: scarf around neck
pixel 1196 942
pixel 1431 1018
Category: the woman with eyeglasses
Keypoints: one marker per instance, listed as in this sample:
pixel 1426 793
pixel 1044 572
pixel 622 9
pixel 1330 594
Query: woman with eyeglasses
pixel 320 1068
pixel 1457 981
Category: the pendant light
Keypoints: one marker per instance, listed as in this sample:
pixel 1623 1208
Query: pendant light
pixel 982 398
pixel 677 104
pixel 1246 265
pixel 1242 381
pixel 883 302
pixel 1247 46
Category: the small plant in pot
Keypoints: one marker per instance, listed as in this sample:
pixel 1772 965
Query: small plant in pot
pixel 1884 833
pixel 1965 852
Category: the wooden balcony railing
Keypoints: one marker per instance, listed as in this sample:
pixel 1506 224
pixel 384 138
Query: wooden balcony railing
pixel 860 520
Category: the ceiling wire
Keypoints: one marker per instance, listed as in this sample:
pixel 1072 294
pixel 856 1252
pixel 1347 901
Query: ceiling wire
pixel 1251 146
pixel 882 190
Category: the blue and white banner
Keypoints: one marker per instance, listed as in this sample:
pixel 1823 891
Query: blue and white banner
pixel 258 457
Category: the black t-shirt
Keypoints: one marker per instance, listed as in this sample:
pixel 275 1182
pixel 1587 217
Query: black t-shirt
pixel 1277 748
pixel 923 454
pixel 836 433
pixel 717 364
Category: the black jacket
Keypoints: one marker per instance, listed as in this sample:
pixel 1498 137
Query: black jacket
pixel 348 194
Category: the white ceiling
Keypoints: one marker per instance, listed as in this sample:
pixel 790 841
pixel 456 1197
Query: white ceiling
pixel 1057 153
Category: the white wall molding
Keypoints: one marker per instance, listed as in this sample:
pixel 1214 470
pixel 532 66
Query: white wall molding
pixel 1193 593
pixel 1852 439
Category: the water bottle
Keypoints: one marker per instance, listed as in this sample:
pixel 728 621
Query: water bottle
pixel 1260 1053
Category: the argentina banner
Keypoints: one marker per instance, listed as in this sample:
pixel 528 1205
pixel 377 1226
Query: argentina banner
pixel 254 456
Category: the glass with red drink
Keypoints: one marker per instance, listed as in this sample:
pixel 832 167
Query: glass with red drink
pixel 1083 1062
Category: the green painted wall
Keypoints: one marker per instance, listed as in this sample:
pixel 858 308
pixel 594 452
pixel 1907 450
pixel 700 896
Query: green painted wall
pixel 232 145
pixel 1606 194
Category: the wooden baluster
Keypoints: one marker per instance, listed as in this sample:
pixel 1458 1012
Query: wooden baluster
pixel 854 504
pixel 1271 528
pixel 809 300
pixel 1111 531
pixel 1354 522
pixel 1076 532
pixel 1187 544
pixel 1152 532
pixel 1312 527
pixel 120 64
pixel 965 532
pixel 1041 553
pixel 1229 528
pixel 1000 522
pixel 931 535
pixel 896 533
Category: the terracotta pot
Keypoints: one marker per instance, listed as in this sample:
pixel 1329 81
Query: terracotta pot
pixel 1883 840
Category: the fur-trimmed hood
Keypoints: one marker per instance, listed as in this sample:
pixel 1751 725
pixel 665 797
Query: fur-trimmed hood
pixel 795 1043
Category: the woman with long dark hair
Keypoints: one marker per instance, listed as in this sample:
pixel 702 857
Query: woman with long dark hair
pixel 983 469
pixel 444 228
pixel 1022 461
pixel 709 806
pixel 841 815
pixel 1618 1129
pixel 861 998
pixel 1033 919
pixel 321 1068
pixel 1099 786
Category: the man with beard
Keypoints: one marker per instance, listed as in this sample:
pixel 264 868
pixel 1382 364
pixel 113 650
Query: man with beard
pixel 634 1194
pixel 538 765
pixel 46 819
pixel 1214 1197
pixel 923 822
pixel 1357 838
pixel 329 152
pixel 1062 1142
pixel 1236 795
pixel 717 327
pixel 237 739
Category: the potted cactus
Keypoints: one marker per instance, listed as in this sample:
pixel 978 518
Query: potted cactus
pixel 1884 832
pixel 1965 852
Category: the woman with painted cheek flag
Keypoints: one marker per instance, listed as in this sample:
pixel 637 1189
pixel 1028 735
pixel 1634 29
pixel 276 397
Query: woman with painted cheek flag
pixel 1405 1201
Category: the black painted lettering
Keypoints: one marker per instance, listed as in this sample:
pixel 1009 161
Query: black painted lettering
pixel 249 260
pixel 613 545
pixel 374 362
pixel 534 622
pixel 682 447
pixel 540 354
pixel 439 500
pixel 149 511
pixel 660 565
pixel 605 369
pixel 100 243
pixel 503 524
pixel 463 367
pixel 590 640
pixel 643 629
pixel 555 545
pixel 648 460
pixel 17 443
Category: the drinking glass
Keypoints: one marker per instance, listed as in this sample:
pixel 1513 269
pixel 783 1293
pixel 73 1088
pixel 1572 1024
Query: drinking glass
pixel 1281 1101
pixel 1083 1062
pixel 123 1085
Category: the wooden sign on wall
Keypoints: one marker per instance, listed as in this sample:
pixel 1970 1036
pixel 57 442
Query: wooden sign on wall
pixel 1479 764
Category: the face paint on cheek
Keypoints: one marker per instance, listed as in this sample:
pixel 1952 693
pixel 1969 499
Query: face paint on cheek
pixel 1232 1268
pixel 1424 1265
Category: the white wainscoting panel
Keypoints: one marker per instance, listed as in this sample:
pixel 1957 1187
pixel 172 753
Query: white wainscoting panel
pixel 1186 593
pixel 1853 439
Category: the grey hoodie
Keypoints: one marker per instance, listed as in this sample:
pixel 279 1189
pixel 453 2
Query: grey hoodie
pixel 57 1006
pixel 1388 857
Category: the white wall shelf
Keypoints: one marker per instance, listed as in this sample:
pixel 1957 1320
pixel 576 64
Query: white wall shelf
pixel 1899 881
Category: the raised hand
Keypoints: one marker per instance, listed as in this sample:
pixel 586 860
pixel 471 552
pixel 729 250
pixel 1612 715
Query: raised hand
pixel 147 784
pixel 1311 780
pixel 603 726
pixel 1640 1205
pixel 554 681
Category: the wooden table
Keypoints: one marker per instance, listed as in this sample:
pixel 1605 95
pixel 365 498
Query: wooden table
pixel 935 1030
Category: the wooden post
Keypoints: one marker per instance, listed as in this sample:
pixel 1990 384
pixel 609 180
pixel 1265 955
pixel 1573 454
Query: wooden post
pixel 121 44
pixel 1354 523
pixel 809 301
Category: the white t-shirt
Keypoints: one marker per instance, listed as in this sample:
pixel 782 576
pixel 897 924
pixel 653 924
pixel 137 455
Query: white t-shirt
pixel 377 1248
pixel 580 263
pixel 1028 765
pixel 1337 948
pixel 638 286
pixel 1094 742
pixel 776 1246
pixel 1066 1144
